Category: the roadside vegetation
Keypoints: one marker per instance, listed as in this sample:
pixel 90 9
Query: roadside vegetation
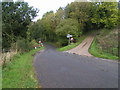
pixel 21 35
pixel 77 19
pixel 19 73
pixel 72 45
pixel 78 41
pixel 105 44
pixel 18 46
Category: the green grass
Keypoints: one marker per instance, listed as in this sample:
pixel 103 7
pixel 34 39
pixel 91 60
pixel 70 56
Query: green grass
pixel 95 51
pixel 19 73
pixel 68 47
pixel 0 77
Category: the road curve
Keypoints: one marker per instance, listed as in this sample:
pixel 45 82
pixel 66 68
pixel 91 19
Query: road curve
pixel 64 70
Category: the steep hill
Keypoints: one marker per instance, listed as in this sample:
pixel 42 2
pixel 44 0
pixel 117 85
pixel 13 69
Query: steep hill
pixel 105 44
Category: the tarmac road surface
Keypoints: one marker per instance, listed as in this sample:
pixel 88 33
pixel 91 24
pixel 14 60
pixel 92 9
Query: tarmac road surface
pixel 64 70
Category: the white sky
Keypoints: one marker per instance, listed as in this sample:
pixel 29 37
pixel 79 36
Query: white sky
pixel 47 5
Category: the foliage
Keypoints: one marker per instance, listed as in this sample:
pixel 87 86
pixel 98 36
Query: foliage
pixel 105 14
pixel 67 26
pixel 80 11
pixel 108 41
pixel 59 15
pixel 23 45
pixel 16 16
pixel 76 18
pixel 49 26
pixel 19 73
pixel 44 29
pixel 35 30
pixel 105 44
pixel 96 51
pixel 68 47
pixel 70 26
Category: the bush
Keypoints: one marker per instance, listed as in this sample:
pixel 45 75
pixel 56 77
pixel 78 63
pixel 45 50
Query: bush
pixel 23 45
pixel 33 43
pixel 67 26
pixel 108 41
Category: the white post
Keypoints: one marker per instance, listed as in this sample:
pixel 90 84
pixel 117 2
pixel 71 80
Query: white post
pixel 69 41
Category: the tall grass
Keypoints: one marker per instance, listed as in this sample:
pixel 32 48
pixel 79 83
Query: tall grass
pixel 19 73
pixel 6 57
pixel 108 41
pixel 96 51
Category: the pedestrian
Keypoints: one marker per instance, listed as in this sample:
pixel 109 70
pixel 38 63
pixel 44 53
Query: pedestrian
pixel 72 39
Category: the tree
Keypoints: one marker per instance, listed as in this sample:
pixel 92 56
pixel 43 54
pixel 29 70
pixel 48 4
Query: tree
pixel 81 11
pixel 16 16
pixel 59 15
pixel 67 26
pixel 105 14
pixel 44 28
pixel 49 26
pixel 36 31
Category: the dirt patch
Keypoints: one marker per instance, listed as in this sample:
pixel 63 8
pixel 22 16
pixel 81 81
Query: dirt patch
pixel 84 44
pixel 82 49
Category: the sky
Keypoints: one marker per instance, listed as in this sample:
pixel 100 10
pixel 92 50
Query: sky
pixel 47 5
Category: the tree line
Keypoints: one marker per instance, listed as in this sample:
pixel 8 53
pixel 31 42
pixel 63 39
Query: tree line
pixel 76 18
pixel 16 16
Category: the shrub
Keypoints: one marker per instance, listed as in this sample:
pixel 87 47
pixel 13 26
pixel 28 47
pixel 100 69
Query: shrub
pixel 23 45
pixel 67 26
pixel 108 41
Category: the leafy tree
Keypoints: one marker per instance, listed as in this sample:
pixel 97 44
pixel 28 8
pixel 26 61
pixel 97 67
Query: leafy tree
pixel 36 31
pixel 105 14
pixel 16 16
pixel 67 26
pixel 76 18
pixel 49 25
pixel 59 15
pixel 81 11
pixel 44 29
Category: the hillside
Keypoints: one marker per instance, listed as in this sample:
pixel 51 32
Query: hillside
pixel 105 45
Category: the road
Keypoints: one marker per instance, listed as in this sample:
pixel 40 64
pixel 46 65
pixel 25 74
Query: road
pixel 64 70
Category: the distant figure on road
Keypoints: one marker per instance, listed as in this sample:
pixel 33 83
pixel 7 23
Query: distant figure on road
pixel 72 40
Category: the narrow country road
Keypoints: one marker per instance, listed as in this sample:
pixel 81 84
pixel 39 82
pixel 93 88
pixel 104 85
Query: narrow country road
pixel 64 70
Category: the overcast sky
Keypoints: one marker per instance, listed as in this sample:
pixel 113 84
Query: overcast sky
pixel 47 5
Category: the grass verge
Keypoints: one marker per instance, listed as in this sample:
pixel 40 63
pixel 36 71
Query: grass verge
pixel 0 78
pixel 68 47
pixel 95 51
pixel 19 73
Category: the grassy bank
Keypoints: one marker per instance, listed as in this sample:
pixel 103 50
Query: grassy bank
pixel 19 73
pixel 0 78
pixel 68 47
pixel 97 52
